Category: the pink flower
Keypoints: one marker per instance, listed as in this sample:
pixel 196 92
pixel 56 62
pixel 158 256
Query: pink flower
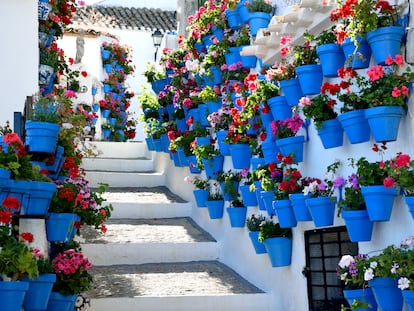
pixel 375 72
pixel 399 59
pixel 396 92
pixel 305 101
pixel 284 40
pixel 405 90
pixel 389 182
pixel 389 60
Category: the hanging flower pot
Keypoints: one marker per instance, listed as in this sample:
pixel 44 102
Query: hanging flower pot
pixel 43 9
pixel 259 247
pixel 233 19
pixel 60 302
pixel 202 115
pixel 224 147
pixel 310 78
pixel 358 225
pixel 285 213
pixel 268 197
pixel 279 250
pixel 292 91
pixel 270 151
pixel 356 57
pixel 363 295
pixel 379 201
pixel 243 11
pixel 256 162
pixel 355 126
pixel 409 200
pixel 249 197
pixel 237 216
pixel 331 57
pixel 258 191
pixel 12 295
pixel 300 209
pixel 192 164
pixel 40 194
pixel 40 288
pixel 213 166
pixel 240 155
pixel 331 134
pixel 226 195
pixel 408 296
pixel 217 77
pixel 385 41
pixel 58 226
pixel 279 107
pixel 292 145
pixel 46 74
pixel 105 54
pixel 215 208
pixel 232 56
pixel 108 68
pixel 249 61
pixel 386 293
pixel 200 196
pixel 258 20
pixel 322 210
pixel 384 122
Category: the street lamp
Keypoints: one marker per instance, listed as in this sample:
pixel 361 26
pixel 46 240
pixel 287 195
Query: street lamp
pixel 157 38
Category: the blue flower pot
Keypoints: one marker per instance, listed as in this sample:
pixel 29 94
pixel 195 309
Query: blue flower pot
pixel 233 19
pixel 259 247
pixel 40 288
pixel 150 143
pixel 358 225
pixel 331 57
pixel 384 122
pixel 217 77
pixel 364 295
pixel 226 195
pixel 108 68
pixel 258 191
pixel 292 146
pixel 192 164
pixel 240 155
pixel 270 151
pixel 331 134
pixel 258 20
pixel 355 126
pixel 59 226
pixel 299 206
pixel 385 41
pixel 200 196
pixel 356 57
pixel 213 166
pixel 243 11
pixel 386 293
pixel 40 195
pixel 232 56
pixel 409 200
pixel 224 147
pixel 165 143
pixel 292 91
pixel 42 136
pixel 310 78
pixel 158 85
pixel 249 197
pixel 237 216
pixel 279 250
pixel 408 296
pixel 256 162
pixel 285 214
pixel 105 54
pixel 12 295
pixel 322 210
pixel 157 144
pixel 379 201
pixel 214 106
pixel 5 173
pixel 249 61
pixel 215 208
pixel 279 108
pixel 202 114
pixel 268 197
pixel 60 302
pixel 181 125
pixel 105 113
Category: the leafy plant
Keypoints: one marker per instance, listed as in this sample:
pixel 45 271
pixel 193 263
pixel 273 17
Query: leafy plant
pixel 253 222
pixel 198 182
pixel 260 6
pixel 214 192
pixel 351 270
pixel 288 127
pixel 353 199
pixel 270 229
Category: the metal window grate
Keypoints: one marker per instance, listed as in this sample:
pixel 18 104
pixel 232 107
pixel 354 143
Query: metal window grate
pixel 324 249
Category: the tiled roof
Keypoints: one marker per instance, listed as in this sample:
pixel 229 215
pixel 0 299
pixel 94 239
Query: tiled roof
pixel 110 17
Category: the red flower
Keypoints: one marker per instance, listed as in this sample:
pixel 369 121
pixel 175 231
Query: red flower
pixel 11 203
pixel 27 236
pixel 84 74
pixel 389 182
pixel 5 217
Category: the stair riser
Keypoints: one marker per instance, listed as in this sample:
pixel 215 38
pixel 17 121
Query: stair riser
pixel 120 150
pixel 125 254
pixel 118 165
pixel 125 179
pixel 150 210
pixel 240 302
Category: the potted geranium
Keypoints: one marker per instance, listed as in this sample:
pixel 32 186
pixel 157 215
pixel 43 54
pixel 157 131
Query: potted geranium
pixel 285 131
pixel 220 122
pixel 376 185
pixel 321 109
pixel 237 212
pixel 229 184
pixel 277 241
pixel 208 158
pixel 351 270
pixel 215 201
pixel 253 225
pixel 249 197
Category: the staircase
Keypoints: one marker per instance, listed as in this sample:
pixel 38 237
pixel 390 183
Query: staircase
pixel 154 256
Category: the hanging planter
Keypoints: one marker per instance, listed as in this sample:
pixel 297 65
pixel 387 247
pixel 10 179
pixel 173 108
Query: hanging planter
pixel 248 61
pixel 358 225
pixel 12 295
pixel 322 210
pixel 224 147
pixel 60 302
pixel 42 136
pixel 331 134
pixel 249 197
pixel 299 206
pixel 279 107
pixel 385 41
pixel 192 164
pixel 356 57
pixel 240 155
pixel 363 295
pixel 237 216
pixel 285 213
pixel 259 247
pixel 279 250
pixel 233 19
pixel 270 151
pixel 384 122
pixel 213 166
pixel 258 20
pixel 292 91
pixel 310 78
pixel 258 191
pixel 256 162
pixel 355 126
pixel 59 226
pixel 331 57
pixel 232 56
pixel 409 200
pixel 40 288
pixel 215 208
pixel 379 201
pixel 386 293
pixel 268 197
pixel 292 145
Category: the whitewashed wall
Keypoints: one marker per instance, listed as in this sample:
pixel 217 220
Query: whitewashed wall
pixel 18 55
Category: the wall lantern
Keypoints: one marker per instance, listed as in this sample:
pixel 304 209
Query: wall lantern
pixel 157 38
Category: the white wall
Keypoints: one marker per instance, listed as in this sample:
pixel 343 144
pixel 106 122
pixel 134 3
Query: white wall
pixel 18 57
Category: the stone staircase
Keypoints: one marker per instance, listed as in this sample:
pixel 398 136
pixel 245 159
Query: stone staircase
pixel 154 256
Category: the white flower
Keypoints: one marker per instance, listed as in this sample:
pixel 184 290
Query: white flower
pixel 188 179
pixel 345 261
pixel 403 283
pixel 343 276
pixel 408 241
pixel 394 268
pixel 373 264
pixel 369 274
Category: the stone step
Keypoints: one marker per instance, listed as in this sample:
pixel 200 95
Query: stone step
pixel 138 241
pixel 146 202
pixel 125 179
pixel 118 150
pixel 198 285
pixel 118 164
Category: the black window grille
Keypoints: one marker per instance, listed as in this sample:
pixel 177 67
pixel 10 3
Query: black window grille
pixel 324 249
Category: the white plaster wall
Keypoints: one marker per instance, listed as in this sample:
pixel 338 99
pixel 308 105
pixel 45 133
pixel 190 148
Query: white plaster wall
pixel 18 57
